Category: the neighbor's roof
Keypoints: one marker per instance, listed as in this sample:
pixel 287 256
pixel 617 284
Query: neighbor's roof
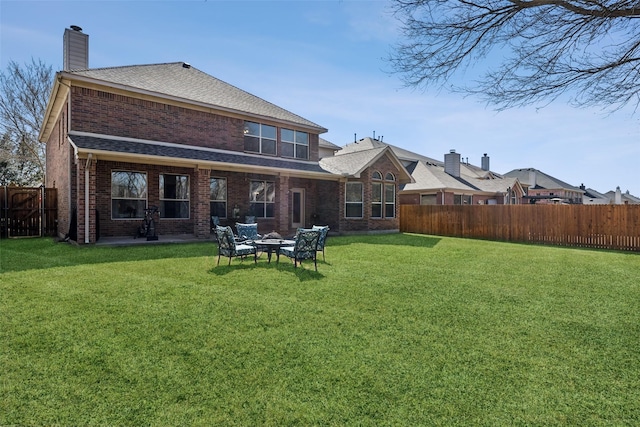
pixel 542 179
pixel 428 176
pixel 183 82
pixel 327 144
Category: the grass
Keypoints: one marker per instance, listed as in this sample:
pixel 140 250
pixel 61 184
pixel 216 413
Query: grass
pixel 392 330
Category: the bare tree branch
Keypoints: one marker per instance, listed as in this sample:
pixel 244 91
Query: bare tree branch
pixel 24 91
pixel 586 49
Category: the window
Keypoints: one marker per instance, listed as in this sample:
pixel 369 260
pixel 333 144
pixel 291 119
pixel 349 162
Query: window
pixel 295 143
pixel 461 199
pixel 259 138
pixel 262 199
pixel 389 200
pixel 218 197
pixel 383 196
pixel 376 200
pixel 174 196
pixel 353 200
pixel 428 199
pixel 128 194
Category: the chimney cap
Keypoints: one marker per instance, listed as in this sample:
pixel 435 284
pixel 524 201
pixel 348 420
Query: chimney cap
pixel 75 28
pixel 452 150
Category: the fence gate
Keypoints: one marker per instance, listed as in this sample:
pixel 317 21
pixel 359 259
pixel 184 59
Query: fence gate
pixel 28 212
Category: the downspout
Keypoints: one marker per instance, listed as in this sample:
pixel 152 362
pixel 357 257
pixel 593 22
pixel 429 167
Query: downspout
pixel 86 198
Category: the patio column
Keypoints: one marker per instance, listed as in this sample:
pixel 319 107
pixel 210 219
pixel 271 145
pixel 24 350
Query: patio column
pixel 283 210
pixel 86 197
pixel 201 225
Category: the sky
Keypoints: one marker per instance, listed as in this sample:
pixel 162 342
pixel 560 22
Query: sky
pixel 327 62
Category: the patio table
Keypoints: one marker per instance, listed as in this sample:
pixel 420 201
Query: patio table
pixel 271 245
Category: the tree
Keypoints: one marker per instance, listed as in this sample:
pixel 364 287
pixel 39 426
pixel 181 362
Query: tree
pixel 24 91
pixel 588 50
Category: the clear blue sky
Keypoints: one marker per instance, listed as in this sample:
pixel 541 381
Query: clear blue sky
pixel 325 60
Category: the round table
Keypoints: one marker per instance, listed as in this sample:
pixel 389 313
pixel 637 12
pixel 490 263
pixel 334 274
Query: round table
pixel 271 245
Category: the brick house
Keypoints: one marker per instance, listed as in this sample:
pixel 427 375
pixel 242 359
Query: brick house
pixel 452 182
pixel 541 188
pixel 123 138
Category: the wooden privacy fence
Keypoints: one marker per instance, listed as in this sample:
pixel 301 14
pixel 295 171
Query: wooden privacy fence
pixel 593 226
pixel 28 211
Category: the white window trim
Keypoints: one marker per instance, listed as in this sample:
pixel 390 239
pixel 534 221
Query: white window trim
pixel 188 199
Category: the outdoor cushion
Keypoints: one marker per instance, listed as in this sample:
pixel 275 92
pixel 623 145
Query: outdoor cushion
pixel 305 247
pixel 227 245
pixel 247 231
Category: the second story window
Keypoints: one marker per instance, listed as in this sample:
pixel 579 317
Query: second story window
pixel 295 144
pixel 259 138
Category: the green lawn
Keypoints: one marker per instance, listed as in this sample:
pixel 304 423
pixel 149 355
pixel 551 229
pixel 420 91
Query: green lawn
pixel 392 330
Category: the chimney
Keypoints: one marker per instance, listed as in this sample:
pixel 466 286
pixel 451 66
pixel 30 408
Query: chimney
pixel 618 196
pixel 75 49
pixel 452 163
pixel 484 162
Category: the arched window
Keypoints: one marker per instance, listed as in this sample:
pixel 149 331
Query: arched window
pixel 383 196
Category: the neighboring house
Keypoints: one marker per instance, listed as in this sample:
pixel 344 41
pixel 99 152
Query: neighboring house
pixel 459 183
pixel 619 198
pixel 450 182
pixel 592 197
pixel 545 189
pixel 123 138
pixel 326 148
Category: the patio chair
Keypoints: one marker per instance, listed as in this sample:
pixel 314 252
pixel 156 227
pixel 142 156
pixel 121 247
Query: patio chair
pixel 215 222
pixel 250 219
pixel 324 233
pixel 247 231
pixel 305 247
pixel 228 246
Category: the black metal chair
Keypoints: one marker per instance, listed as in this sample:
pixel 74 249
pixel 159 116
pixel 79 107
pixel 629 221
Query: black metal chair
pixel 227 246
pixel 324 233
pixel 305 247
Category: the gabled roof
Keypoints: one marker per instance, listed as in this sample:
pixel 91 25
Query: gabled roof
pixel 625 197
pixel 402 154
pixel 179 82
pixel 327 144
pixel 542 180
pixel 354 163
pixel 428 176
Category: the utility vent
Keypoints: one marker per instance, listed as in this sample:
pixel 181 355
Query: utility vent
pixel 75 49
pixel 452 163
